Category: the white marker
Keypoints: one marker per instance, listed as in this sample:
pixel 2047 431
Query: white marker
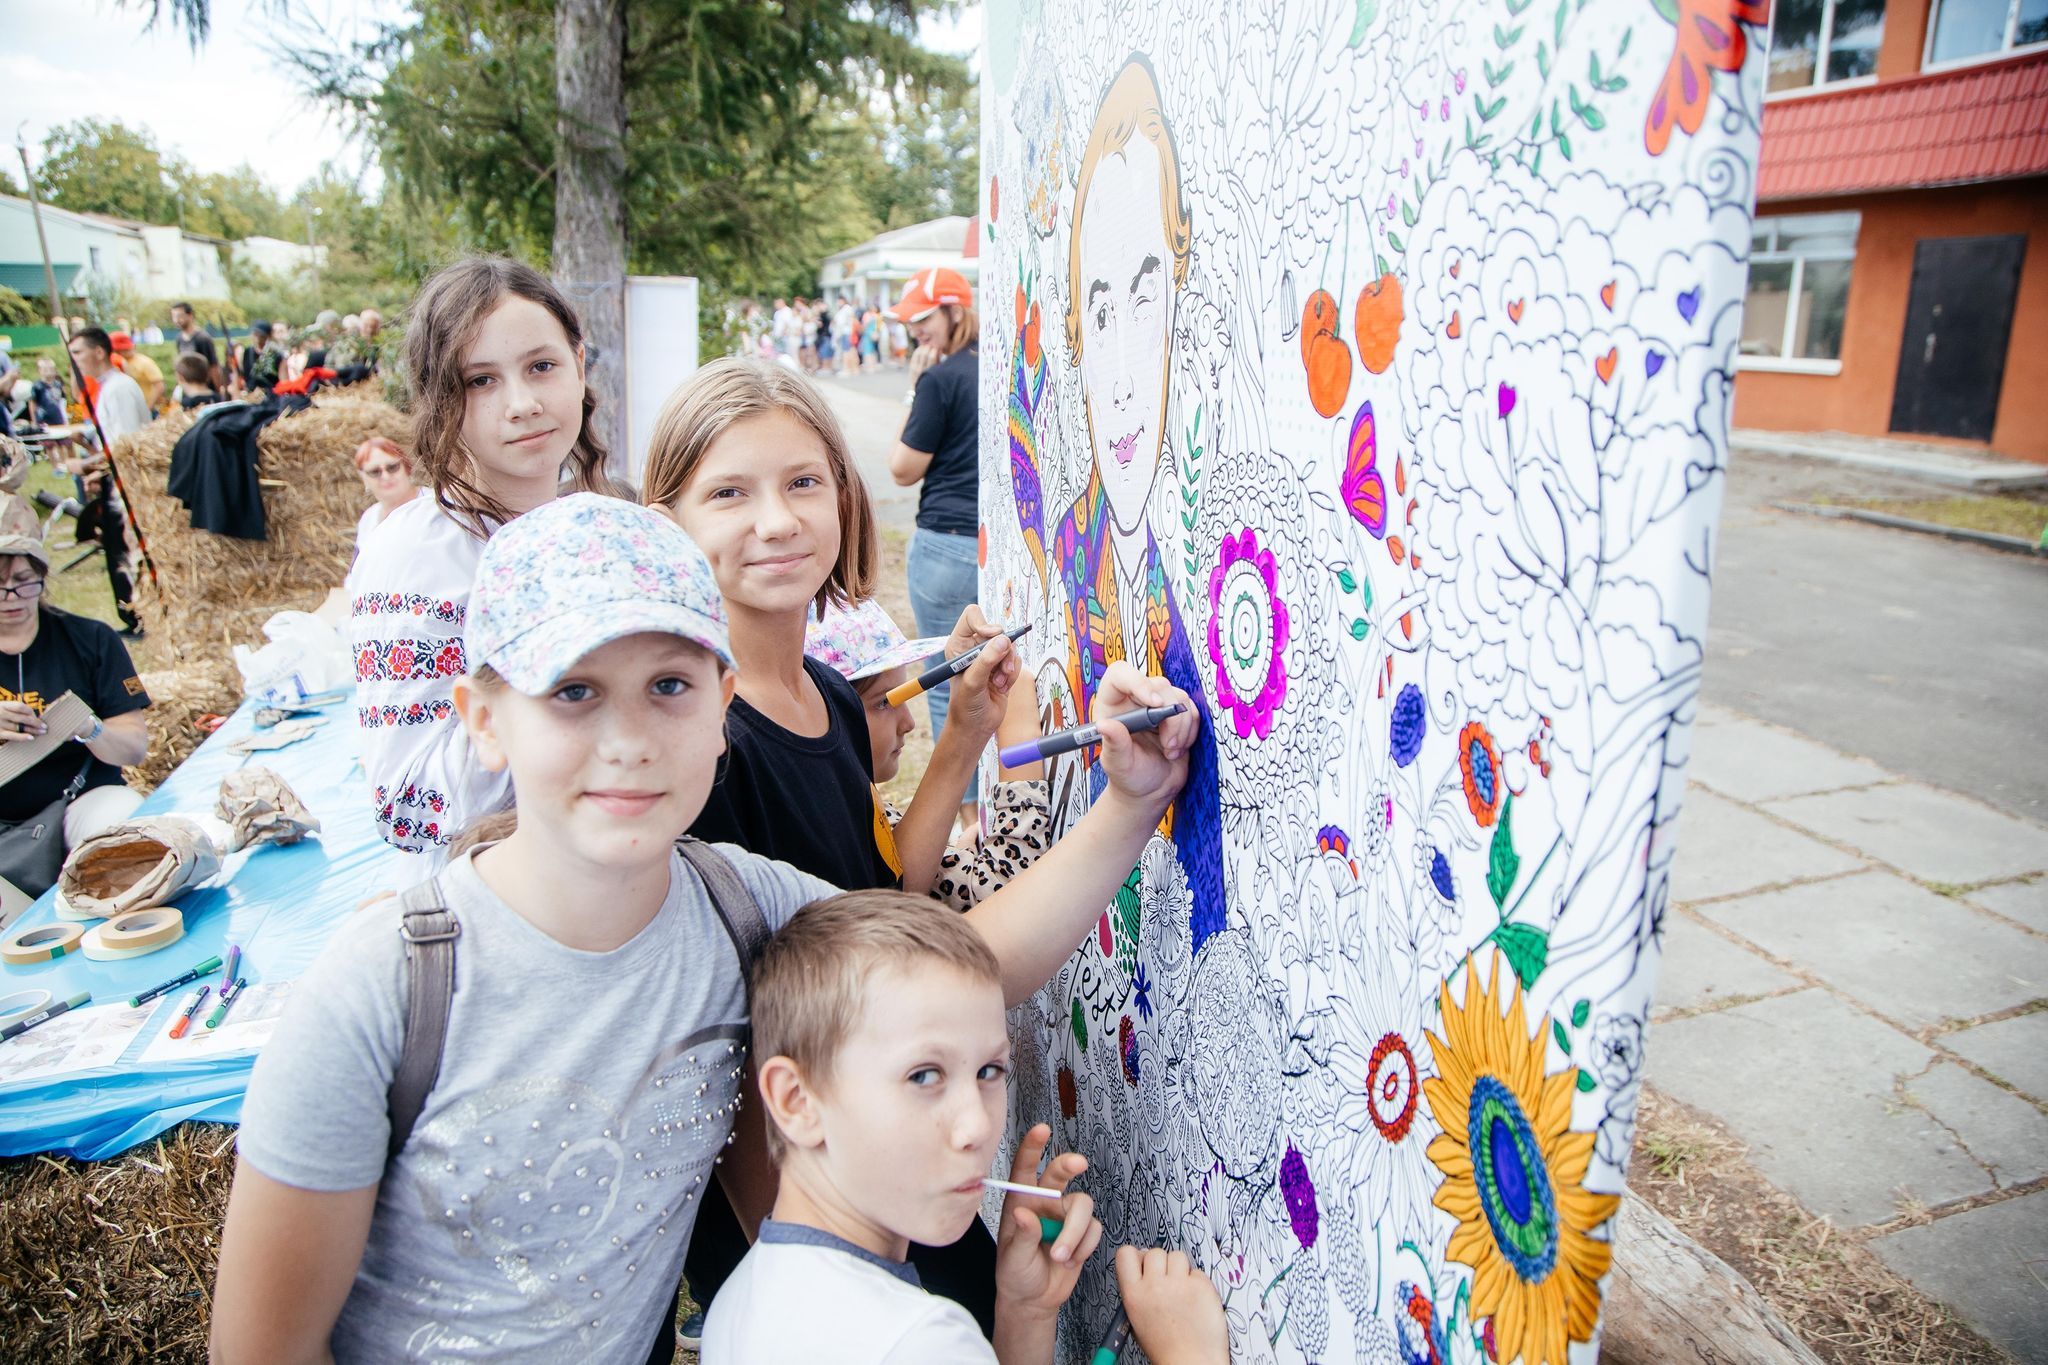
pixel 1014 1188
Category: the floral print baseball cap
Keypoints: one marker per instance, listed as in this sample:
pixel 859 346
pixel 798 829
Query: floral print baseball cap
pixel 578 573
pixel 861 641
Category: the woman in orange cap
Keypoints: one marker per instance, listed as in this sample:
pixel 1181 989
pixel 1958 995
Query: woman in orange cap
pixel 938 448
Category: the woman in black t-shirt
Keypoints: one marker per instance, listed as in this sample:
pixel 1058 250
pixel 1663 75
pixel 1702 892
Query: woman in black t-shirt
pixel 45 653
pixel 939 448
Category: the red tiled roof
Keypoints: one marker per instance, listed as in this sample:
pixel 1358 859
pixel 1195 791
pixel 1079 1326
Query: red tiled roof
pixel 1950 128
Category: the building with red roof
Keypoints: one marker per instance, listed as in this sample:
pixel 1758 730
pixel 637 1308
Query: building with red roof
pixel 1898 280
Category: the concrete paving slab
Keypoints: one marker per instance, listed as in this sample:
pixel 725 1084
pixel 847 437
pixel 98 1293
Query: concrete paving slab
pixel 1725 849
pixel 2026 902
pixel 1750 761
pixel 1914 459
pixel 1710 714
pixel 1910 955
pixel 2014 1050
pixel 2004 1133
pixel 1701 969
pixel 1808 1082
pixel 1929 834
pixel 1989 1264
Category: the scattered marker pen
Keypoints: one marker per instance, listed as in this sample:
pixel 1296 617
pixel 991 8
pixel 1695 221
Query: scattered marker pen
pixel 228 996
pixel 184 1019
pixel 43 1016
pixel 940 672
pixel 1081 736
pixel 227 975
pixel 179 980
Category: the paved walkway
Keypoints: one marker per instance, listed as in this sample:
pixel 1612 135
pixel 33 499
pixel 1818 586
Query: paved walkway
pixel 1856 982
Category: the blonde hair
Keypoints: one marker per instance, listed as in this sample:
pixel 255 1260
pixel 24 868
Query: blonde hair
pixel 446 315
pixel 810 984
pixel 1130 105
pixel 728 391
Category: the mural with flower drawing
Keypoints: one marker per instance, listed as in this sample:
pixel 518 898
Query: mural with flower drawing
pixel 1366 371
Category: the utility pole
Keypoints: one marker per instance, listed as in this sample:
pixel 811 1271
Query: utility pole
pixel 312 251
pixel 35 202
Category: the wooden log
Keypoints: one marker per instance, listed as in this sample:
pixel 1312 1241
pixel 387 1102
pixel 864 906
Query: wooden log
pixel 1670 1301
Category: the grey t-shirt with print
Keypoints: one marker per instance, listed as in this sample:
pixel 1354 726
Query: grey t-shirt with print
pixel 541 1207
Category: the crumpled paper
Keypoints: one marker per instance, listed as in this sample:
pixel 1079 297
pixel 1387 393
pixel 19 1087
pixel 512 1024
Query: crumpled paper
pixel 15 462
pixel 138 864
pixel 278 736
pixel 260 808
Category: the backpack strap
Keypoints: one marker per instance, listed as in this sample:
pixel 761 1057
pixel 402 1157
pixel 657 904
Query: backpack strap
pixel 429 931
pixel 735 904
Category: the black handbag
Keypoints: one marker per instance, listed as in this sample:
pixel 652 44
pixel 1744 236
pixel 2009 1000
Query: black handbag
pixel 32 850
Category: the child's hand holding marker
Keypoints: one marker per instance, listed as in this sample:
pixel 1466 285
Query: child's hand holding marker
pixel 981 663
pixel 1034 1276
pixel 1152 766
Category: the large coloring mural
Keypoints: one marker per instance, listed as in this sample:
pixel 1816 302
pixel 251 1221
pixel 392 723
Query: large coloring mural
pixel 1365 368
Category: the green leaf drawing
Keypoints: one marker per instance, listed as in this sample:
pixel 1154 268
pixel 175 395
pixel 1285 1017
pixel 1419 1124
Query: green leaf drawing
pixel 1564 146
pixel 1563 1041
pixel 1080 1025
pixel 1346 581
pixel 1485 110
pixel 1586 1082
pixel 1581 1012
pixel 1543 60
pixel 1128 911
pixel 1525 946
pixel 1407 214
pixel 1368 10
pixel 1359 629
pixel 1593 70
pixel 1506 38
pixel 1395 242
pixel 1381 262
pixel 1622 51
pixel 1502 862
pixel 1557 31
pixel 1667 8
pixel 1556 118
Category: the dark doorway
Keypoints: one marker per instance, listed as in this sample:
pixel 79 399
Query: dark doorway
pixel 1958 320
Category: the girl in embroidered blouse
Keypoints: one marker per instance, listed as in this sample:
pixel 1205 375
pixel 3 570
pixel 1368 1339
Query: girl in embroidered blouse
pixel 494 355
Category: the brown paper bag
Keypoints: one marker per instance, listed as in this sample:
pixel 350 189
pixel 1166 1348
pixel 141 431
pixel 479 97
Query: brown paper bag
pixel 137 864
pixel 259 808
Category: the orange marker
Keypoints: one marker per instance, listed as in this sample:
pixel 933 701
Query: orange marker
pixel 184 1019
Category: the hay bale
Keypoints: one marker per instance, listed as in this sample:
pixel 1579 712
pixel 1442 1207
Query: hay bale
pixel 178 699
pixel 217 590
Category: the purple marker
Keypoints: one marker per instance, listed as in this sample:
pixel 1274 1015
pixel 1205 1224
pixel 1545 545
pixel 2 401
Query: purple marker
pixel 227 977
pixel 1081 736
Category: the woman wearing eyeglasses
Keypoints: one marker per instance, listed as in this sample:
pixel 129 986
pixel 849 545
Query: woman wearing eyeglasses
pixel 387 477
pixel 75 791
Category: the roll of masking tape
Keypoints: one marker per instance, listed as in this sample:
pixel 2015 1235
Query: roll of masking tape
pixel 12 1007
pixel 135 934
pixel 25 947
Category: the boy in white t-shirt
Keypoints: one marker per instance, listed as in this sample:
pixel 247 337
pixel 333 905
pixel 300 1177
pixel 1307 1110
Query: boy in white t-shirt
pixel 879 1016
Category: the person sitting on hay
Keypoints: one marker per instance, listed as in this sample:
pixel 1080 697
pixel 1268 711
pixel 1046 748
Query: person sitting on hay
pixel 74 791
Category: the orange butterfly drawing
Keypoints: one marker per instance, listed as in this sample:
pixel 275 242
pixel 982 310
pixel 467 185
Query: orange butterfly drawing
pixel 1710 39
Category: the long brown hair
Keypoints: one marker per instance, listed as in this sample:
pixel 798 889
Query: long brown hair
pixel 443 322
pixel 731 390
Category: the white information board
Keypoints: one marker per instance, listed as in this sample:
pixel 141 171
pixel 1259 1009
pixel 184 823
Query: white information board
pixel 661 352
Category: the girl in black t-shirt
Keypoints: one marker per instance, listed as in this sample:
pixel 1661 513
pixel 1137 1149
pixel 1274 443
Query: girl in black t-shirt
pixel 748 458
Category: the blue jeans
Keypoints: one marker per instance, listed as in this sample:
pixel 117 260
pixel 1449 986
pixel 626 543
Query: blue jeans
pixel 944 579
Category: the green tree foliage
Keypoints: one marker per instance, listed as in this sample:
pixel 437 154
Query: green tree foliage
pixel 748 142
pixel 16 311
pixel 104 166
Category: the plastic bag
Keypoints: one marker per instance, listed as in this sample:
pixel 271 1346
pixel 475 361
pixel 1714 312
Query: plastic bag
pixel 304 658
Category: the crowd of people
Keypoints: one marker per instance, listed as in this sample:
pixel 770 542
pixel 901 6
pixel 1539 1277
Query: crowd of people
pixel 825 337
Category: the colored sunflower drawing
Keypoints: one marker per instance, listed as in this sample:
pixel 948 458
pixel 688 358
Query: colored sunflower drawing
pixel 1514 1173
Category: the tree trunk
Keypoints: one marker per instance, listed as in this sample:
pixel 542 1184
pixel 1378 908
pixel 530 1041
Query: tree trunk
pixel 590 210
pixel 1673 1302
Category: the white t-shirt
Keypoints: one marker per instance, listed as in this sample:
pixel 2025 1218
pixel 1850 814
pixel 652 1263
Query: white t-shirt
pixel 121 407
pixel 541 1207
pixel 802 1295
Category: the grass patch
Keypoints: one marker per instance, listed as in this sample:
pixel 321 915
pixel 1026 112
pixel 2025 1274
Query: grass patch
pixel 2002 514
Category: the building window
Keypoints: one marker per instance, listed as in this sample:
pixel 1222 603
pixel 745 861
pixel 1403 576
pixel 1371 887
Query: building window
pixel 1798 289
pixel 1815 42
pixel 92 256
pixel 1966 29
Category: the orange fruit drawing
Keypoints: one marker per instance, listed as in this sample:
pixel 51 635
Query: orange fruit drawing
pixel 1327 359
pixel 1376 324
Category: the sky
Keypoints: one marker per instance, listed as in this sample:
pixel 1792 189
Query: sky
pixel 62 60
pixel 89 58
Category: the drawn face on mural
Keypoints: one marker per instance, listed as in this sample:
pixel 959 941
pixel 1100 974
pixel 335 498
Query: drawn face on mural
pixel 1126 304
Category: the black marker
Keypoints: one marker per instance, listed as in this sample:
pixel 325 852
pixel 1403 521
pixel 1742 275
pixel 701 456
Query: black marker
pixel 1114 1340
pixel 1081 736
pixel 940 672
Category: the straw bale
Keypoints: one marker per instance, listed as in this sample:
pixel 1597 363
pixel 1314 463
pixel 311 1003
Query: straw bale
pixel 218 590
pixel 178 699
pixel 114 1261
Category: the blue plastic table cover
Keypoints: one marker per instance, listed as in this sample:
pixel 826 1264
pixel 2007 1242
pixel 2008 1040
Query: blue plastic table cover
pixel 280 904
